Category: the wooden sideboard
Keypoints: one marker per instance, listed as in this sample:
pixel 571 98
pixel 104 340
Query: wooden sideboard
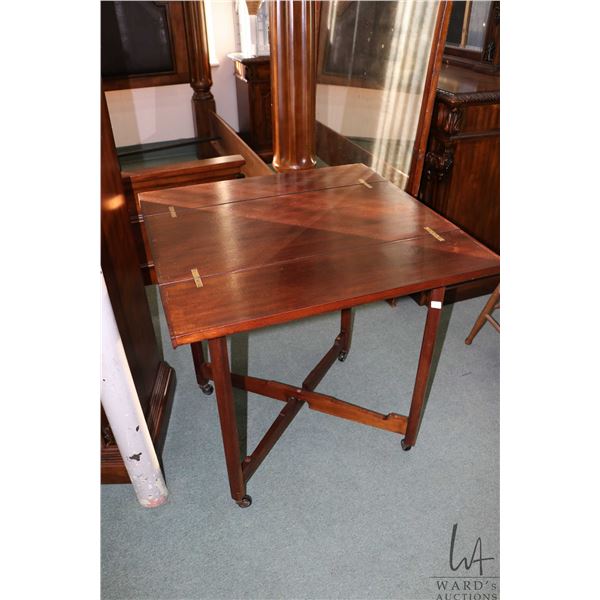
pixel 461 176
pixel 253 87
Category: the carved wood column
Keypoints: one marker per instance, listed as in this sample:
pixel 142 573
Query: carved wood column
pixel 292 26
pixel 203 101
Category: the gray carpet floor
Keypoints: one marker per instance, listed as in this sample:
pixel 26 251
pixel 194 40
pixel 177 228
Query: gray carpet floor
pixel 339 510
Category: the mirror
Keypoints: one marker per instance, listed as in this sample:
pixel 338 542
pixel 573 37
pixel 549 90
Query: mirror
pixel 372 66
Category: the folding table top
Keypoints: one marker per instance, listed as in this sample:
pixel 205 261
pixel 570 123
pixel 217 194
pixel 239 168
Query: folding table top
pixel 236 255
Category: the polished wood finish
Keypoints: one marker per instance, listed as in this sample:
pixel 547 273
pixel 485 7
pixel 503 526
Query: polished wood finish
pixel 253 88
pixel 153 378
pixel 457 83
pixel 322 403
pixel 293 398
pixel 156 178
pixel 254 188
pixel 462 291
pixel 222 378
pixel 280 424
pixel 433 72
pixel 201 368
pixel 226 157
pixel 261 243
pixel 292 31
pixel 248 253
pixel 434 311
pixel 486 316
pixel 229 142
pixel 339 351
pixel 364 240
pixel 203 101
pixel 183 173
pixel 462 167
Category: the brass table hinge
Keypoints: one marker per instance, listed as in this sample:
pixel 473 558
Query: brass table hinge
pixel 436 235
pixel 197 278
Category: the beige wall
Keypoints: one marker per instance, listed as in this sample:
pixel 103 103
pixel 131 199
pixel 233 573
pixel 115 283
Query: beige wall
pixel 366 113
pixel 223 78
pixel 163 113
pixel 152 114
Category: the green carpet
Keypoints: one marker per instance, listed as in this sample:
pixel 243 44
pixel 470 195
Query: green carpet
pixel 339 510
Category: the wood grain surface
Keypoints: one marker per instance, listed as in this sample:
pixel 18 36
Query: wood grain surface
pixel 274 249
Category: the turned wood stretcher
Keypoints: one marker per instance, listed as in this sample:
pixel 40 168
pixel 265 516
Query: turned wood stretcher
pixel 238 255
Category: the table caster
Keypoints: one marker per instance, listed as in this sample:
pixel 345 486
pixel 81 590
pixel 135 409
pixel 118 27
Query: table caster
pixel 342 356
pixel 207 389
pixel 405 446
pixel 245 502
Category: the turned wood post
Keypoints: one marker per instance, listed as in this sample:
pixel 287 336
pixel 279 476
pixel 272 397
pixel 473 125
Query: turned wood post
pixel 292 31
pixel 203 101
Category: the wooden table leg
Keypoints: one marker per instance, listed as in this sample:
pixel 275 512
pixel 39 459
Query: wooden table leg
pixel 489 307
pixel 339 350
pixel 434 312
pixel 199 363
pixel 346 333
pixel 231 443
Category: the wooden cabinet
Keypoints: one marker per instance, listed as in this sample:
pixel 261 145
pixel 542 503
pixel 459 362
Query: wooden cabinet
pixel 154 379
pixel 461 177
pixel 253 87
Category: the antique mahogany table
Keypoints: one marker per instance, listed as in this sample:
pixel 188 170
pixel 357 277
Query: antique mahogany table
pixel 237 255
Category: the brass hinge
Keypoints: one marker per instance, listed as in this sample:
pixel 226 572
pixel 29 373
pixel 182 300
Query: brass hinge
pixel 197 278
pixel 436 235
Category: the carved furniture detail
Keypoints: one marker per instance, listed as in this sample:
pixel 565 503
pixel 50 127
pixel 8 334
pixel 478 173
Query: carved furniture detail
pixel 461 178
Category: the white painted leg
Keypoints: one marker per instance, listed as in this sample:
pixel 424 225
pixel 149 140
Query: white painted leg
pixel 124 413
